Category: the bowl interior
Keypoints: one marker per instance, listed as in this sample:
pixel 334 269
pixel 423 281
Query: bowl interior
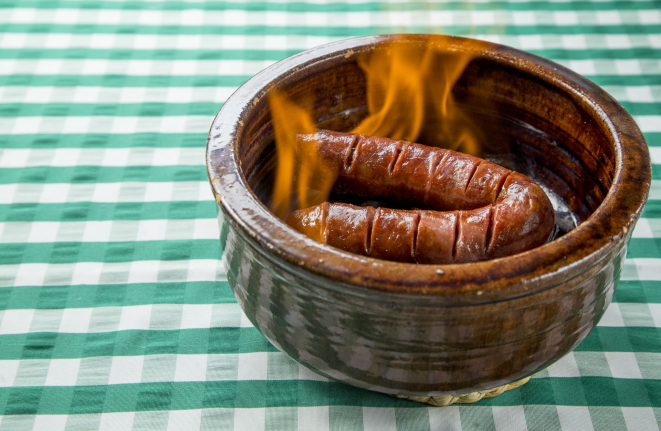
pixel 525 122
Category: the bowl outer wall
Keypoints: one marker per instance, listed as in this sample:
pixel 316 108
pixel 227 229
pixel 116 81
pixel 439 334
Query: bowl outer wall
pixel 403 348
pixel 406 329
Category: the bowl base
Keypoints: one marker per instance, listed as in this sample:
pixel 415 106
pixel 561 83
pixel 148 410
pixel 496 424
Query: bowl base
pixel 471 397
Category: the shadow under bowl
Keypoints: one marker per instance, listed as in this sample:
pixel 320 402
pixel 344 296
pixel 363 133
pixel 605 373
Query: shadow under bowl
pixel 434 329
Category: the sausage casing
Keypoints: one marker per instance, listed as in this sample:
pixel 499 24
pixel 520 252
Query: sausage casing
pixel 477 209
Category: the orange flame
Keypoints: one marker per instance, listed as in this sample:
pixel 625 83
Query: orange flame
pixel 409 97
pixel 298 165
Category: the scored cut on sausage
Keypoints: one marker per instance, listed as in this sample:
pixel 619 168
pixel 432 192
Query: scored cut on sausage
pixel 476 210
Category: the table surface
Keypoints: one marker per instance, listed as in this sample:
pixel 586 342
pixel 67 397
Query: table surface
pixel 115 312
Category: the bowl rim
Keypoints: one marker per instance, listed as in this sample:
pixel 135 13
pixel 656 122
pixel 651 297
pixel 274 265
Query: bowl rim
pixel 608 227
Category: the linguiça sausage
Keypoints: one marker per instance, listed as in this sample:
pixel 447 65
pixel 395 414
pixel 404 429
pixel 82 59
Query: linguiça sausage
pixel 476 210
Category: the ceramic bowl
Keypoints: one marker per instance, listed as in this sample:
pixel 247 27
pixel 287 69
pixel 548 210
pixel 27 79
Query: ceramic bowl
pixel 435 329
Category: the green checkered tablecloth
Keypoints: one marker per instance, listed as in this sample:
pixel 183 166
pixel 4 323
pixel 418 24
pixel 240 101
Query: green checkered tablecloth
pixel 115 312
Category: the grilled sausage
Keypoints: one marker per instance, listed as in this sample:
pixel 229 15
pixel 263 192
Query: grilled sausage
pixel 478 210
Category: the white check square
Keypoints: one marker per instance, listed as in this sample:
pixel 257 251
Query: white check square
pixel 63 372
pixel 623 365
pixel 145 41
pixel 95 67
pixel 192 17
pixel 66 16
pixel 191 368
pixel 612 316
pixel 102 40
pixel 642 94
pixel 151 230
pixel 30 274
pixel 116 421
pixel 50 423
pixel 86 95
pixel 25 125
pixel 523 18
pixel 106 192
pixel 57 41
pixel 116 157
pixel 250 419
pixel 166 156
pixel 150 17
pixel 38 94
pixel 97 231
pixel 628 67
pixel 65 157
pixel 75 320
pixel 253 366
pixel 196 316
pixel 44 231
pixel 16 321
pixel 135 317
pixel 184 420
pixel 8 372
pixel 23 16
pixel 565 17
pixel 574 418
pixel 609 17
pixel 14 158
pixel 126 369
pixel 202 270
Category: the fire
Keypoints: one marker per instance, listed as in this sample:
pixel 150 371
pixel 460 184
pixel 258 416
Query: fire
pixel 409 97
pixel 298 167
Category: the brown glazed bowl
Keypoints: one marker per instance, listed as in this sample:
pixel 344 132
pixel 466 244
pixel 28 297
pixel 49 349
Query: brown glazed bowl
pixel 435 329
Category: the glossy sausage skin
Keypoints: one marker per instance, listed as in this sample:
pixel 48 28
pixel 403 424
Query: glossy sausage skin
pixel 478 210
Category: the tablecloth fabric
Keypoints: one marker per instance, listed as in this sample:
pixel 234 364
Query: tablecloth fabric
pixel 115 312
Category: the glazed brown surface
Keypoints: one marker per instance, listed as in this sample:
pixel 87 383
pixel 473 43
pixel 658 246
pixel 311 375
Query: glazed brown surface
pixel 490 211
pixel 402 328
